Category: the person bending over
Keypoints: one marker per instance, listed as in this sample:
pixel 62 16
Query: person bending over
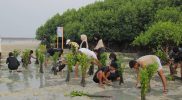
pixel 145 61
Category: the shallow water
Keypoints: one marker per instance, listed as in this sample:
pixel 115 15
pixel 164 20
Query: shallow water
pixel 31 85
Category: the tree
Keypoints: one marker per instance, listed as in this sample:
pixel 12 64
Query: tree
pixel 160 34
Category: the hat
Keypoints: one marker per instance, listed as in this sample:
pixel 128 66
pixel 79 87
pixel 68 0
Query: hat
pixel 114 65
pixel 67 41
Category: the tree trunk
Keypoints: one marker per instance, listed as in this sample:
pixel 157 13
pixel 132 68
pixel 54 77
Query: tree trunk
pixel 83 83
pixel 121 79
pixel 143 94
pixel 54 69
pixel 68 76
pixel 171 69
pixel 149 87
pixel 41 68
pixel 143 97
pixel 37 61
pixel 91 70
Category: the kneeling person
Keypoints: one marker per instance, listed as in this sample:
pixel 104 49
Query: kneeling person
pixel 107 74
pixel 12 62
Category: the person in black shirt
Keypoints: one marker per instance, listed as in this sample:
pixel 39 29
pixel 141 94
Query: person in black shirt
pixel 12 62
pixel 176 57
pixel 107 74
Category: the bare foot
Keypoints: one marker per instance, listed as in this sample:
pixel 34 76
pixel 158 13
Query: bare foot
pixel 102 86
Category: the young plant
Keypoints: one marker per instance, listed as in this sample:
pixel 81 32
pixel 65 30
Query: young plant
pixel 162 55
pixel 41 58
pixel 84 62
pixel 121 70
pixel 144 83
pixel 42 48
pixel 103 59
pixel 16 53
pixel 71 61
pixel 55 59
pixel 151 70
pixel 37 55
pixel 77 93
pixel 25 58
pixel 146 75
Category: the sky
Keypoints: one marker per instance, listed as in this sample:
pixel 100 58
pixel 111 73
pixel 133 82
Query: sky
pixel 21 18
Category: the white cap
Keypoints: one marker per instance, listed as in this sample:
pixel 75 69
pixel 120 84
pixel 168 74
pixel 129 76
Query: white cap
pixel 67 41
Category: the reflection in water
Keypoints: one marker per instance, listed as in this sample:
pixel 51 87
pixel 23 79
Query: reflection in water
pixel 42 80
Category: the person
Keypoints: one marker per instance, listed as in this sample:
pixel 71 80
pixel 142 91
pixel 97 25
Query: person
pixel 31 56
pixel 99 46
pixel 144 61
pixel 12 62
pixel 90 54
pixel 176 58
pixel 107 74
pixel 60 65
pixel 112 57
pixel 84 43
pixel 73 45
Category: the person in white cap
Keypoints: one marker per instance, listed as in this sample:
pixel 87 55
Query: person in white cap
pixel 74 45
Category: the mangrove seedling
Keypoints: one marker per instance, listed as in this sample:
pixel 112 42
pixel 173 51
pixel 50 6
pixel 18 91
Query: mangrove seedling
pixel 16 53
pixel 25 58
pixel 84 62
pixel 37 55
pixel 151 70
pixel 103 59
pixel 42 48
pixel 55 59
pixel 146 75
pixel 121 70
pixel 81 93
pixel 71 61
pixel 41 58
pixel 144 83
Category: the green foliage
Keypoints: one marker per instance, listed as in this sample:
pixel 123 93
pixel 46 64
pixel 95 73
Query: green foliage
pixel 42 48
pixel 71 61
pixel 26 57
pixel 151 70
pixel 162 55
pixel 84 62
pixel 103 59
pixel 16 53
pixel 146 74
pixel 55 57
pixel 37 53
pixel 115 20
pixel 77 93
pixel 169 14
pixel 144 81
pixel 41 58
pixel 160 34
pixel 170 78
